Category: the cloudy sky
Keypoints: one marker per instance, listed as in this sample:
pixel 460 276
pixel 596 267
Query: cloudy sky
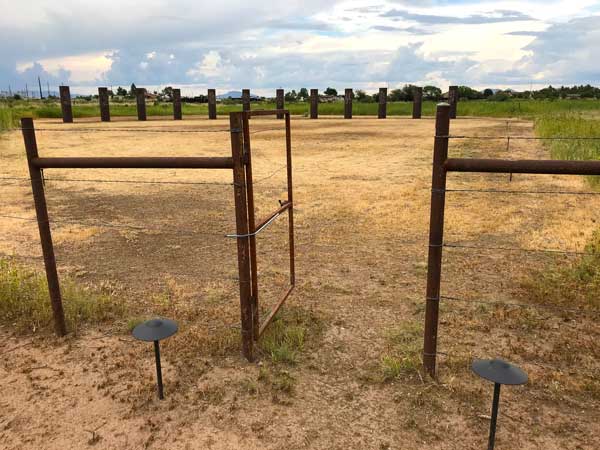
pixel 263 45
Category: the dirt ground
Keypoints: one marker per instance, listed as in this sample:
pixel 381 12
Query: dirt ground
pixel 362 217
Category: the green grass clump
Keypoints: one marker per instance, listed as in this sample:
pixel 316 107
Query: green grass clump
pixel 570 125
pixel 574 285
pixel 403 356
pixel 9 118
pixel 285 338
pixel 25 303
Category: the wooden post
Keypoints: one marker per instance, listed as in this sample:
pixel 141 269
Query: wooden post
pixel 279 101
pixel 41 212
pixel 104 105
pixel 314 103
pixel 246 99
pixel 65 104
pixel 417 102
pixel 348 104
pixel 212 104
pixel 140 95
pixel 436 237
pixel 453 100
pixel 177 114
pixel 382 103
pixel 242 230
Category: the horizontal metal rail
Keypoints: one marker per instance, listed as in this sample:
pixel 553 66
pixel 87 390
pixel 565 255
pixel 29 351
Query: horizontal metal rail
pixel 550 167
pixel 267 112
pixel 168 162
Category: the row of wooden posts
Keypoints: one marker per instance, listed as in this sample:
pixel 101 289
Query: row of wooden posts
pixel 67 110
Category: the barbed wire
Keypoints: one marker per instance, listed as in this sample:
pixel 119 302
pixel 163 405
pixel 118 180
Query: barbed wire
pixel 271 175
pixel 113 225
pixel 522 305
pixel 524 138
pixel 502 191
pixel 127 130
pixel 589 374
pixel 519 249
pixel 77 180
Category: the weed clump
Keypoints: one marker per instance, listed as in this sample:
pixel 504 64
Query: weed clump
pixel 25 302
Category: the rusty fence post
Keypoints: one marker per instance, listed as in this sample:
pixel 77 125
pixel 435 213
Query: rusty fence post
pixel 453 100
pixel 417 102
pixel 41 212
pixel 247 150
pixel 65 104
pixel 279 103
pixel 140 96
pixel 177 114
pixel 382 114
pixel 104 105
pixel 436 236
pixel 245 99
pixel 290 189
pixel 314 103
pixel 242 230
pixel 348 103
pixel 212 104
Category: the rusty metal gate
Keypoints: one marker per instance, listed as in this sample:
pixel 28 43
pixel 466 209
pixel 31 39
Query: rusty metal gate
pixel 240 163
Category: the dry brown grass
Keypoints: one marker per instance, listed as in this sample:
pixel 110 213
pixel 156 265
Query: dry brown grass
pixel 362 218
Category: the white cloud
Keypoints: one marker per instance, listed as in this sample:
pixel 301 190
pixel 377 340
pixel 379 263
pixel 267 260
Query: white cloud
pixel 359 43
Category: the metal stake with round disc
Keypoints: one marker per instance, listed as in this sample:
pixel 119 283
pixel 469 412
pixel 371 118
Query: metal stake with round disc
pixel 156 330
pixel 500 372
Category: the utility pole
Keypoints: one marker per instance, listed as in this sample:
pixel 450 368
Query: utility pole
pixel 26 91
pixel 9 91
pixel 48 88
pixel 40 85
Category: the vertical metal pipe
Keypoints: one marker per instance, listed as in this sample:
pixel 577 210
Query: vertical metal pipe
pixel 243 243
pixel 212 104
pixel 158 370
pixel 453 100
pixel 65 104
pixel 348 103
pixel 288 153
pixel 177 114
pixel 246 99
pixel 495 404
pixel 436 235
pixel 279 104
pixel 41 211
pixel 251 226
pixel 104 105
pixel 140 95
pixel 382 114
pixel 314 103
pixel 417 102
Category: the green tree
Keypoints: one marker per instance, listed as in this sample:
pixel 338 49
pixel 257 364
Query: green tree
pixel 132 90
pixel 122 92
pixel 432 92
pixel 167 94
pixel 465 92
pixel 303 94
pixel 291 96
pixel 330 91
pixel 397 95
pixel 488 93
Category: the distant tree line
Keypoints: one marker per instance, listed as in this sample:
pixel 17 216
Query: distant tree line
pixel 405 93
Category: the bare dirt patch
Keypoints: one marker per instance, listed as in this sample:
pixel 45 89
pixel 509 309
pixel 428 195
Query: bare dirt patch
pixel 362 199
